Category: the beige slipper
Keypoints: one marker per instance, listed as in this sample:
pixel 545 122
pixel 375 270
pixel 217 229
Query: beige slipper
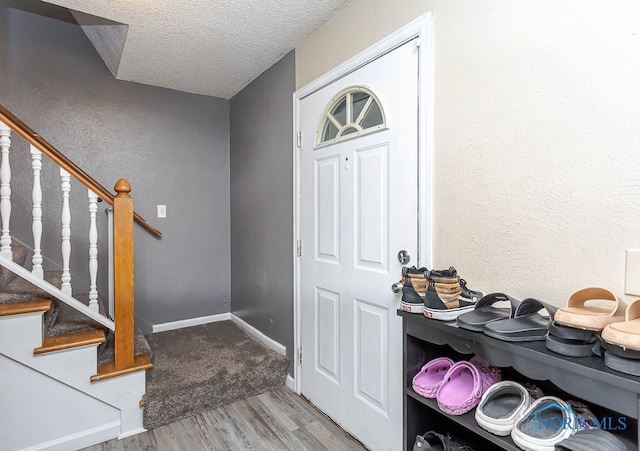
pixel 591 317
pixel 627 333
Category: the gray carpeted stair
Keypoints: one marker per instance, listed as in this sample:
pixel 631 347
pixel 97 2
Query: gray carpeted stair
pixel 19 257
pixel 61 319
pixel 19 289
pixel 203 367
pixel 69 320
pixel 16 289
pixel 140 346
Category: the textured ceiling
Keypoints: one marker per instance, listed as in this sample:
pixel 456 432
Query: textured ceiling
pixel 211 47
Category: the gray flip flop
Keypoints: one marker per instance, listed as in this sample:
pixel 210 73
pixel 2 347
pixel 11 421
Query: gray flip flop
pixel 484 312
pixel 526 325
pixel 570 341
pixel 568 347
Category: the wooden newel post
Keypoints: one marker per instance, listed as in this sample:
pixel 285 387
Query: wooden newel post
pixel 123 275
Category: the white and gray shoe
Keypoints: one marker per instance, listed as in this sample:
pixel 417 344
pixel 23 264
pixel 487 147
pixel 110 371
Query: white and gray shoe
pixel 469 295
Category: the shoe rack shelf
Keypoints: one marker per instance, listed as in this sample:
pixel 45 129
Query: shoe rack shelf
pixel 583 378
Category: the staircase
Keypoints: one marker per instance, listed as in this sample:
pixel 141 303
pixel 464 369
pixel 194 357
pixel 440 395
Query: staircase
pixel 73 375
pixel 58 389
pixel 70 375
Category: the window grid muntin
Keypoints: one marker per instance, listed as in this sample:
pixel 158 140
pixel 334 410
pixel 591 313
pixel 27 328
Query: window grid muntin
pixel 331 130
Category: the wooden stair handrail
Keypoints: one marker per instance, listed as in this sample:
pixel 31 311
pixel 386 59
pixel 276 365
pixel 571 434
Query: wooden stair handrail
pixel 61 160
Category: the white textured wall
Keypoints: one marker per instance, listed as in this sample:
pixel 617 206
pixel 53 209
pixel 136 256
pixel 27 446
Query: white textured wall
pixel 537 134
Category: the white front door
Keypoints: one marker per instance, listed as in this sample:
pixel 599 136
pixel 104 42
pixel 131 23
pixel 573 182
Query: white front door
pixel 358 208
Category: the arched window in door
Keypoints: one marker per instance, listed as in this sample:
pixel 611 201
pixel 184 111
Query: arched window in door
pixel 353 112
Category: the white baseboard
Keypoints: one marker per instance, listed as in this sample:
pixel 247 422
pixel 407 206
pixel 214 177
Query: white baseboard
pixel 190 322
pixel 131 433
pixel 81 439
pixel 290 383
pixel 269 342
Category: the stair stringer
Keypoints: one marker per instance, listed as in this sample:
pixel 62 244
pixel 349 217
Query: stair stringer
pixel 40 412
pixel 20 334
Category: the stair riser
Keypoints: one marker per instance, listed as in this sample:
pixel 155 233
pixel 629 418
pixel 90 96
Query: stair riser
pixel 72 365
pixel 20 334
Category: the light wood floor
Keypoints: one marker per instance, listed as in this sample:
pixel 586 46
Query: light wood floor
pixel 275 420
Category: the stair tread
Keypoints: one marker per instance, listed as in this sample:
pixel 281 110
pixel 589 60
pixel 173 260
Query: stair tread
pixel 72 340
pixel 140 346
pixel 20 289
pixel 25 306
pixel 106 370
pixel 69 320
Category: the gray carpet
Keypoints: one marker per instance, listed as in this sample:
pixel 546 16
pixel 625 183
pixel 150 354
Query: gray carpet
pixel 16 289
pixel 106 349
pixel 203 367
pixel 19 257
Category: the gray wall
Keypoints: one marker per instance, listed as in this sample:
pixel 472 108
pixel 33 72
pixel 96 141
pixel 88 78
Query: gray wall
pixel 261 203
pixel 173 147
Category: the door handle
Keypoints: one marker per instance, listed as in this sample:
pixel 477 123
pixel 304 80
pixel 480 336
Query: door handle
pixel 404 257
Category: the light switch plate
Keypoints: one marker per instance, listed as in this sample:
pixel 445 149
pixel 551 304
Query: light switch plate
pixel 632 272
pixel 162 211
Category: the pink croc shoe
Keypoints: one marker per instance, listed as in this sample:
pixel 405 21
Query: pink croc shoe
pixel 428 380
pixel 464 384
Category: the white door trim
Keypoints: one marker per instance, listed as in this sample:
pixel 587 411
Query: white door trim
pixel 421 29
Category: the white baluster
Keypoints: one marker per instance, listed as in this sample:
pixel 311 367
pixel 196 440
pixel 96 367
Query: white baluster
pixel 66 232
pixel 36 196
pixel 110 245
pixel 5 191
pixel 93 251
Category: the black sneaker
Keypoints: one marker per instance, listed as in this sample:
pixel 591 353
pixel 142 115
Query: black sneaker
pixel 446 283
pixel 437 306
pixel 418 278
pixel 412 301
pixel 434 441
pixel 444 275
pixel 469 295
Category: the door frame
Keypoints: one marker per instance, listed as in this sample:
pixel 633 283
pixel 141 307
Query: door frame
pixel 420 28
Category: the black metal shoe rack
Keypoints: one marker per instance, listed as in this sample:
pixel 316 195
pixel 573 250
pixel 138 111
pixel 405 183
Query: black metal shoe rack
pixel 609 394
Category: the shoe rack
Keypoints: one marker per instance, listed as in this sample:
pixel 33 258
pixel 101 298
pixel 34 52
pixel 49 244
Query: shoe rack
pixel 608 393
